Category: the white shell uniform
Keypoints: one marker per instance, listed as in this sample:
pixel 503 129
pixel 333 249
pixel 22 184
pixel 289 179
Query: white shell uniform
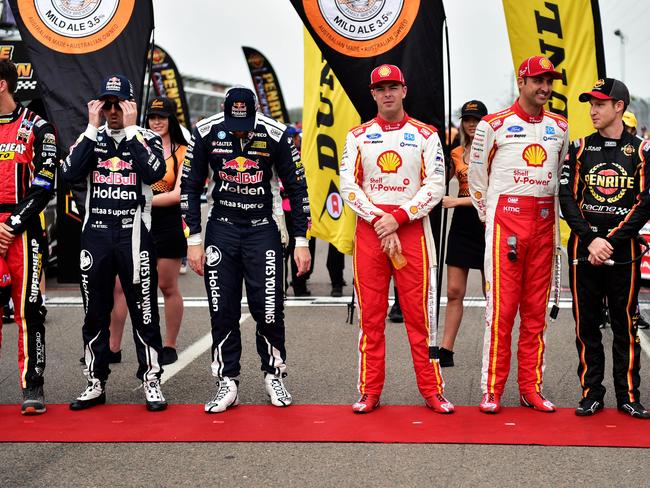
pixel 515 161
pixel 396 168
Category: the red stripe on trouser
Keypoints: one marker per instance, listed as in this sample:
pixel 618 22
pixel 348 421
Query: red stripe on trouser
pixel 16 256
pixel 522 285
pixel 373 272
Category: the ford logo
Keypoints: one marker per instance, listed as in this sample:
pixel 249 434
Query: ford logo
pixel 373 136
pixel 515 129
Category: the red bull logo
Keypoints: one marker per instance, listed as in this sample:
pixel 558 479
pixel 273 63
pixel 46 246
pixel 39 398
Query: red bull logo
pixel 115 179
pixel 242 178
pixel 240 164
pixel 114 164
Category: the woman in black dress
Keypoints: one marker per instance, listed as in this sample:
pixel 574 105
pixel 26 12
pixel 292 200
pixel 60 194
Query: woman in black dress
pixel 466 241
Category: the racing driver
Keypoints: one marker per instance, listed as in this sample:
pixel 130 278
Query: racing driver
pixel 392 175
pixel 605 201
pixel 119 161
pixel 29 160
pixel 513 178
pixel 247 152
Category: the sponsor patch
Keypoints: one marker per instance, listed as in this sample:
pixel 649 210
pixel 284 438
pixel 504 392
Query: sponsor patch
pixel 212 256
pixel 42 182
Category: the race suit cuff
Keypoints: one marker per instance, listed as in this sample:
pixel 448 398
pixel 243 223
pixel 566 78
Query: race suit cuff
pixel 91 132
pixel 302 242
pixel 374 219
pixel 194 240
pixel 131 131
pixel 401 216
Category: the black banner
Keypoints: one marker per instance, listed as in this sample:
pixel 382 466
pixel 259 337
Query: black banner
pixel 355 37
pixel 27 87
pixel 167 82
pixel 73 46
pixel 266 85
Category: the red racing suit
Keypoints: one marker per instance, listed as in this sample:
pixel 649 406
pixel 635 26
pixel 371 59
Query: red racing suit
pixel 397 168
pixel 513 179
pixel 28 161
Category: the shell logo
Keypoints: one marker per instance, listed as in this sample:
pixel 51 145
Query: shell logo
pixel 389 162
pixel 352 196
pixel 384 71
pixel 413 210
pixel 545 63
pixel 534 155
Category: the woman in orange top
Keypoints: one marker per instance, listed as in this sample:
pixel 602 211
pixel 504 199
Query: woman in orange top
pixel 166 230
pixel 466 241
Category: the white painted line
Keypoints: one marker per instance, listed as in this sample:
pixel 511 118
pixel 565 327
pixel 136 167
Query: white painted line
pixel 191 353
pixel 326 301
pixel 321 301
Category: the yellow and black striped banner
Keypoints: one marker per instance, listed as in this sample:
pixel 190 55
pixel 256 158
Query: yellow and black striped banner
pixel 569 33
pixel 328 114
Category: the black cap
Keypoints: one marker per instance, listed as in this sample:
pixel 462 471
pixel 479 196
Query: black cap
pixel 161 106
pixel 607 89
pixel 239 109
pixel 473 108
pixel 117 86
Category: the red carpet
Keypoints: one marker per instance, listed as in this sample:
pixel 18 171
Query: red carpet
pixel 322 423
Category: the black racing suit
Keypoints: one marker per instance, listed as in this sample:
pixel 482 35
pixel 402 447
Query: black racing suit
pixel 242 240
pixel 28 161
pixel 119 167
pixel 604 193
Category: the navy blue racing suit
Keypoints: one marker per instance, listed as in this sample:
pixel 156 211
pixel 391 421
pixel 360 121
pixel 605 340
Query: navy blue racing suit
pixel 119 167
pixel 242 239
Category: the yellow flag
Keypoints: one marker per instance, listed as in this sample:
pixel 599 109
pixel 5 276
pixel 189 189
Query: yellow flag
pixel 568 32
pixel 327 116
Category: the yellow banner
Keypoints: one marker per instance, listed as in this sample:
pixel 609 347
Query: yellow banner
pixel 568 32
pixel 327 116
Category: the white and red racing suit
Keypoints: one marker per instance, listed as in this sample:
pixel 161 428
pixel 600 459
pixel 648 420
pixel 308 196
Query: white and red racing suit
pixel 513 179
pixel 397 168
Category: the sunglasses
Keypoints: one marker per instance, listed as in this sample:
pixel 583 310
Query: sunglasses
pixel 109 105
